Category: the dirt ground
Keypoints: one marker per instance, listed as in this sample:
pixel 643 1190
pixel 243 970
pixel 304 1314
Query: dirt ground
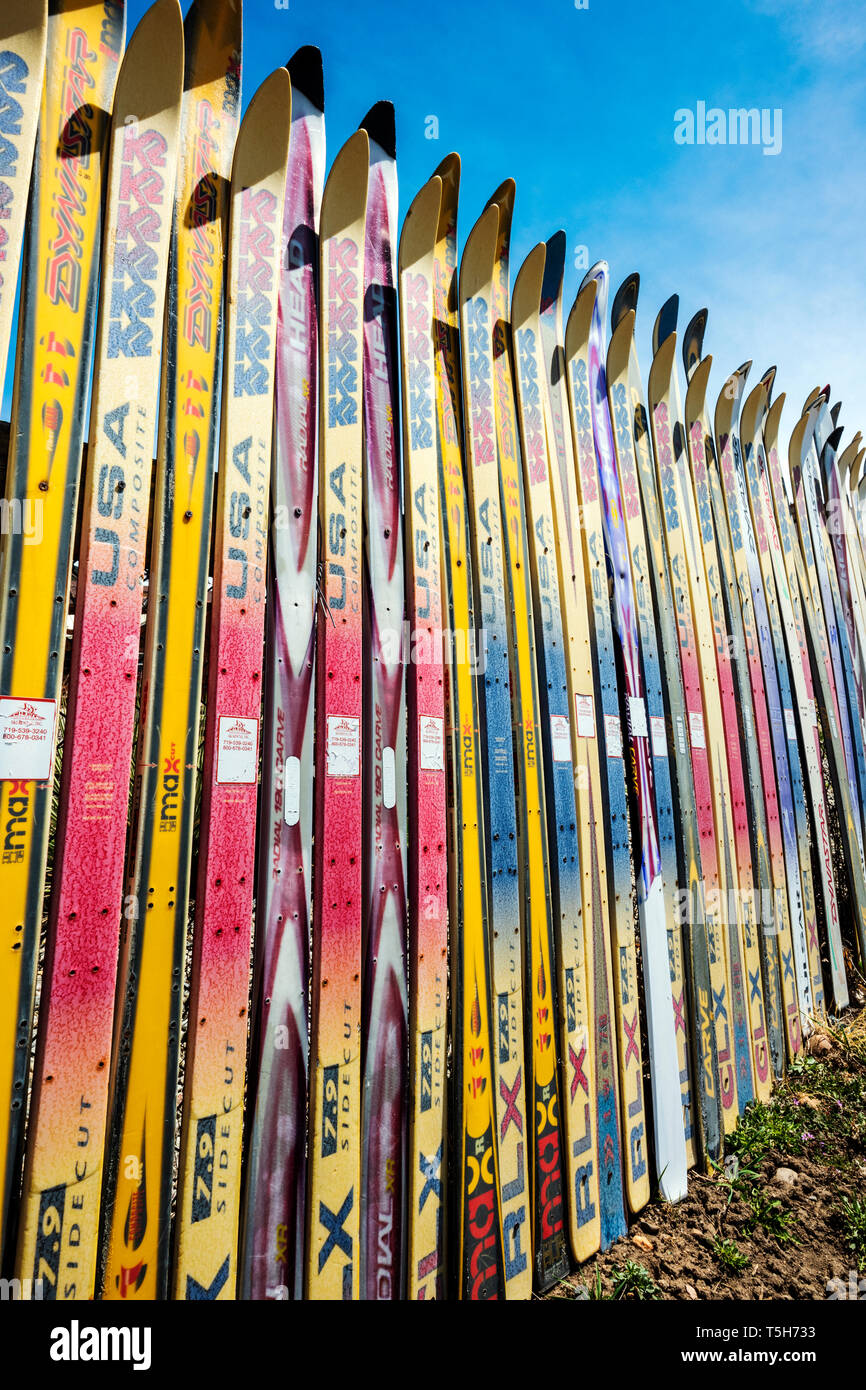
pixel 785 1218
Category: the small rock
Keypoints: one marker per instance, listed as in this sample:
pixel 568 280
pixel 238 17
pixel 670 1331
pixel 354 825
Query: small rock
pixel 819 1045
pixel 692 1292
pixel 785 1177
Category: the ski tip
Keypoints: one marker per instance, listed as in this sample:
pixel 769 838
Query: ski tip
pixel 503 201
pixel 526 295
pixel 729 399
pixel 754 410
pixel 448 170
pixel 151 73
pixel 476 265
pixel 214 17
pixel 834 439
pixel 381 126
pixel 554 269
pixel 661 368
pixel 263 139
pixel 421 224
pixel 619 348
pixel 773 421
pixel 666 321
pixel 835 411
pixel 503 196
pixel 769 378
pixel 580 319
pixel 600 273
pixel 693 342
pixel 344 200
pixel 307 74
pixel 625 299
pixel 696 392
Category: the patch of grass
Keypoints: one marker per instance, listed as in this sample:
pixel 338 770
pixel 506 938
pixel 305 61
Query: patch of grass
pixel 853 1213
pixel 729 1255
pixel 632 1280
pixel 596 1292
pixel 778 1125
pixel 769 1213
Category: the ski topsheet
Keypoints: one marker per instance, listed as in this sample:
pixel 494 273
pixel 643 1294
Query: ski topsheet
pixel 479 1258
pixel 274 1192
pixel 65 1156
pixel 209 1181
pixel 580 355
pixel 748 815
pixel 23 32
pixel 592 1075
pixel 489 557
pixel 383 1123
pixel 688 951
pixel 427 776
pixel 153 944
pixel 558 1166
pixel 56 330
pixel 334 1155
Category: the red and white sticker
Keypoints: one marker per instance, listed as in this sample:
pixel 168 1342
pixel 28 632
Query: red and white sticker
pixel 389 778
pixel 431 743
pixel 560 738
pixel 585 716
pixel 659 736
pixel 613 735
pixel 637 717
pixel 292 791
pixel 237 751
pixel 26 738
pixel 344 746
pixel 791 726
pixel 696 728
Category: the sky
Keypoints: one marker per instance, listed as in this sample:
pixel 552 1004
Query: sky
pixel 578 105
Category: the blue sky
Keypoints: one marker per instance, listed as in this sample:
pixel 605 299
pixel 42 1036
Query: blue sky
pixel 578 106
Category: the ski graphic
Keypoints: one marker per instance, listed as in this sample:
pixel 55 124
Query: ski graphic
pixel 64 1154
pixel 689 967
pixel 748 812
pixel 726 499
pixel 136 1243
pixel 383 1110
pixel 544 1138
pixel 576 1100
pixel 334 1154
pixel 23 33
pixel 479 1265
pixel 209 1180
pixel 580 357
pixel 700 688
pixel 754 462
pixel 56 330
pixel 640 666
pixel 427 777
pixel 597 1199
pixel 501 829
pixel 274 1192
pixel 797 627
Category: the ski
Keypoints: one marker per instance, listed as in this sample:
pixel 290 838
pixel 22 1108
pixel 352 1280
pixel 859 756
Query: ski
pixel 383 1108
pixel 479 1261
pixel 580 351
pixel 334 1154
pixel 22 66
pixel 209 1180
pixel 640 667
pixel 274 1191
pixel 771 736
pixel 56 330
pixel 65 1155
pixel 596 1192
pixel 689 957
pixel 788 670
pixel 700 687
pixel 748 811
pixel 543 1139
pixel 427 776
pixel 501 828
pixel 137 1195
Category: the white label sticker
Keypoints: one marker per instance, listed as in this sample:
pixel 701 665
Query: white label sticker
pixel 637 717
pixel 748 724
pixel 237 750
pixel 585 716
pixel 834 727
pixel 431 743
pixel 696 728
pixel 389 778
pixel 26 738
pixel 292 791
pixel 613 736
pixel 659 736
pixel 790 725
pixel 560 738
pixel 344 746
pixel 681 734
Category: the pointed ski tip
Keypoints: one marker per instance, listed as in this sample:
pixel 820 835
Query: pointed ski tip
pixel 768 379
pixel 307 74
pixel 504 194
pixel 666 321
pixel 380 124
pixel 833 441
pixel 556 246
pixel 693 342
pixel 448 169
pixel 598 272
pixel 625 298
pixel 835 412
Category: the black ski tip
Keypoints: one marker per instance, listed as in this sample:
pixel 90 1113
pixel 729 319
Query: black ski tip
pixel 306 72
pixel 554 267
pixel 381 126
pixel 835 412
pixel 625 299
pixel 768 380
pixel 693 342
pixel 835 437
pixel 666 321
